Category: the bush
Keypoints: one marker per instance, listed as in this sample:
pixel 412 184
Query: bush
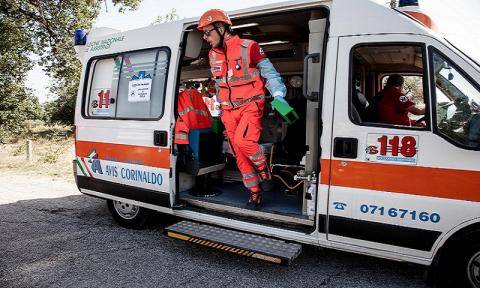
pixel 36 129
pixel 17 105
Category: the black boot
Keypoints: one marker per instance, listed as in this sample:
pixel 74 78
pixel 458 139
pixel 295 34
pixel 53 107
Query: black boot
pixel 255 200
pixel 266 177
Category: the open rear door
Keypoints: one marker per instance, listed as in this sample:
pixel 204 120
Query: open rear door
pixel 124 115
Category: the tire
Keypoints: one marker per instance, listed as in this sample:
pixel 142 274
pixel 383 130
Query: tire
pixel 469 261
pixel 129 215
pixel 463 263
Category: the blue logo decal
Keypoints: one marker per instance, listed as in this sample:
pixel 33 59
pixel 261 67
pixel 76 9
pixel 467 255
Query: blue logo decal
pixel 141 75
pixel 96 166
pixel 339 205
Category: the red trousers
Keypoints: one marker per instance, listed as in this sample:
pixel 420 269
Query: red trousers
pixel 243 127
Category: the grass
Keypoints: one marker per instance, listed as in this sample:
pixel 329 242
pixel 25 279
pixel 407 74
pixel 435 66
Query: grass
pixel 51 157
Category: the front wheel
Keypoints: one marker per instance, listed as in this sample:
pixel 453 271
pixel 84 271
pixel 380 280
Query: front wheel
pixel 473 266
pixel 461 267
pixel 129 215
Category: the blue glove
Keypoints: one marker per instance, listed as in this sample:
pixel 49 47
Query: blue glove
pixel 281 99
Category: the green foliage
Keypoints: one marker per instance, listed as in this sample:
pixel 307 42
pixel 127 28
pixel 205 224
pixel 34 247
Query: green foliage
pixel 169 17
pixel 392 3
pixel 17 103
pixel 19 150
pixel 38 129
pixel 51 155
pixel 413 88
pixel 44 28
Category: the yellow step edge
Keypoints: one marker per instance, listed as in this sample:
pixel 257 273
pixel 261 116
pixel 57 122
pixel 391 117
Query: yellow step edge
pixel 267 258
pixel 178 236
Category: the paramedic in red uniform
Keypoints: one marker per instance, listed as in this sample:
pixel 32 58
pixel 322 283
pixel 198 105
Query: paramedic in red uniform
pixel 242 74
pixel 393 106
pixel 193 113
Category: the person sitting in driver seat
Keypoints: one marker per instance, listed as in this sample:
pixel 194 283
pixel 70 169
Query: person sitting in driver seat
pixel 392 106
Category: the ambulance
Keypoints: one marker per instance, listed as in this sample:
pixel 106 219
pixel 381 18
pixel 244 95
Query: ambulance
pixel 342 180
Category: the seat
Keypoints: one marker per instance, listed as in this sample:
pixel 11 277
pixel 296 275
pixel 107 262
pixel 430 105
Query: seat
pixel 204 152
pixel 356 116
pixel 359 107
pixel 203 156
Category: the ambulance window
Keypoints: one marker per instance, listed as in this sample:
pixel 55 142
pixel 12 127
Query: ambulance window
pixel 141 87
pixel 457 103
pixel 128 86
pixel 374 104
pixel 104 73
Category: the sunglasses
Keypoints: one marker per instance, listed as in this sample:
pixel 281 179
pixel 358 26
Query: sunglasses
pixel 206 33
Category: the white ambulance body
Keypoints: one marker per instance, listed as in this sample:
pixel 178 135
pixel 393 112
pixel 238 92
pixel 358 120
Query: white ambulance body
pixel 407 193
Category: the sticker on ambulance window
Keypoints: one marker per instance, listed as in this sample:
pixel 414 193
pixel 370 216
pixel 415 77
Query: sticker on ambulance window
pixel 139 87
pixel 100 104
pixel 392 149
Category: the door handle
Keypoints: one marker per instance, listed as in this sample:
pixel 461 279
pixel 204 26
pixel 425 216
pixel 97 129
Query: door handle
pixel 313 95
pixel 160 138
pixel 345 147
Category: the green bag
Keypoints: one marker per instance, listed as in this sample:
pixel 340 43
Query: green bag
pixel 287 112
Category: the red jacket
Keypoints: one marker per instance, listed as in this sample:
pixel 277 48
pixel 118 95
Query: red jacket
pixel 237 81
pixel 392 107
pixel 192 114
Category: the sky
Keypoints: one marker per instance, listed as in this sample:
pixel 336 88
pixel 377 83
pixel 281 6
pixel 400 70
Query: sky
pixel 457 21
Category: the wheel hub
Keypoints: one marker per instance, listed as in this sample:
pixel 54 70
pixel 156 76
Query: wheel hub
pixel 474 270
pixel 126 210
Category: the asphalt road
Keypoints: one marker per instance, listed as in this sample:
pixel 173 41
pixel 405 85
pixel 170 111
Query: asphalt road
pixel 53 236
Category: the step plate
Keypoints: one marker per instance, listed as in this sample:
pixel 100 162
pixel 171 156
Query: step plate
pixel 241 243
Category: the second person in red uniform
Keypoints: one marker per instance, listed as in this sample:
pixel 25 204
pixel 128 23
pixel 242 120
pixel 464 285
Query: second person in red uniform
pixel 393 106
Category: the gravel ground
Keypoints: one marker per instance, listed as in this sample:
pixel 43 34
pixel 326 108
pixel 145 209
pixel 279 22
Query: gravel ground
pixel 53 236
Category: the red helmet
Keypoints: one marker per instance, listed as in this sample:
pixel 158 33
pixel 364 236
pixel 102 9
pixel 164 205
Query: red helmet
pixel 211 16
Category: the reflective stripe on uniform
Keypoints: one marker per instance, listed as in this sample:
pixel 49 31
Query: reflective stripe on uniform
pixel 245 77
pixel 212 59
pixel 244 56
pixel 258 163
pixel 250 179
pixel 181 136
pixel 252 183
pixel 249 175
pixel 243 101
pixel 258 159
pixel 256 156
pixel 201 112
pixel 186 110
pixel 190 108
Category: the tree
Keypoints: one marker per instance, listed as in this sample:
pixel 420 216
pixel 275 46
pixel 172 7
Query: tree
pixel 414 89
pixel 169 17
pixel 17 103
pixel 48 27
pixel 392 3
